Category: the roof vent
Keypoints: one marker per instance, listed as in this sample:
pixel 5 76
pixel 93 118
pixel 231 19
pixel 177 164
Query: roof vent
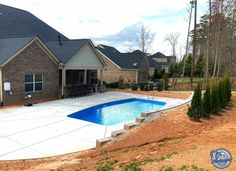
pixel 114 51
pixel 135 64
pixel 0 13
pixel 59 40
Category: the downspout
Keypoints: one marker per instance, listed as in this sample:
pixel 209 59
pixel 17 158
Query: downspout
pixel 63 79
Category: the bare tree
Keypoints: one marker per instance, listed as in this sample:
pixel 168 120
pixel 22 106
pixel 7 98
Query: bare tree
pixel 145 38
pixel 172 38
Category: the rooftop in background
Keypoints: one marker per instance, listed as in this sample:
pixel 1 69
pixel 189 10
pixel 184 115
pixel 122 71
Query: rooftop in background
pixel 19 23
pixel 131 60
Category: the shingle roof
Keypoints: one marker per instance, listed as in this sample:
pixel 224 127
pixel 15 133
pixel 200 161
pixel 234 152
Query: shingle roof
pixel 131 60
pixel 67 50
pixel 10 46
pixel 153 63
pixel 19 23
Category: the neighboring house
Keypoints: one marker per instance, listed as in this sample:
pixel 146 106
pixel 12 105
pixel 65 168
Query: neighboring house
pixel 131 67
pixel 27 67
pixel 160 62
pixel 39 61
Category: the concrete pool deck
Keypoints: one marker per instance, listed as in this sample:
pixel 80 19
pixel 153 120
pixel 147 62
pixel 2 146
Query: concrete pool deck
pixel 44 129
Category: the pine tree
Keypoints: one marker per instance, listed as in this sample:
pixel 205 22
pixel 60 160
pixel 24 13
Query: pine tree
pixel 195 112
pixel 222 91
pixel 207 102
pixel 215 101
pixel 228 88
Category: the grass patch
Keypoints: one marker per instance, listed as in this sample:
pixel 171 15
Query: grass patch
pixel 132 167
pixel 164 141
pixel 192 168
pixel 106 164
pixel 136 165
pixel 183 168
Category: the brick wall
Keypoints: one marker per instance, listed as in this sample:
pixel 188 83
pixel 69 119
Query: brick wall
pixel 32 60
pixel 112 73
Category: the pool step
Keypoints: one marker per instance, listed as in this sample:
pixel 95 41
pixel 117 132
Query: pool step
pixel 117 133
pixel 130 125
pixel 145 114
pixel 103 141
pixel 139 119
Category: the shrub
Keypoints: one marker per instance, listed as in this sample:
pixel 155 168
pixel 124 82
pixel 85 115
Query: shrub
pixel 215 101
pixel 228 88
pixel 159 86
pixel 147 87
pixel 222 92
pixel 134 87
pixel 113 85
pixel 151 86
pixel 207 102
pixel 166 81
pixel 195 112
pixel 142 86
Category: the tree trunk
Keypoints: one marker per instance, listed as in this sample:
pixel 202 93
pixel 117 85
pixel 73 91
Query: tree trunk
pixel 187 42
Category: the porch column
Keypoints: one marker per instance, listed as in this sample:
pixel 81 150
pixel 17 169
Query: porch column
pixel 85 76
pixel 63 82
pixel 136 77
pixel 1 89
pixel 101 76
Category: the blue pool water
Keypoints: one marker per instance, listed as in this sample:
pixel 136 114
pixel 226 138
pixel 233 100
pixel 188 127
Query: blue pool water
pixel 116 112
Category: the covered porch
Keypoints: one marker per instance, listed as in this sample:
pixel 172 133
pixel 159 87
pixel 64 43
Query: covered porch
pixel 79 82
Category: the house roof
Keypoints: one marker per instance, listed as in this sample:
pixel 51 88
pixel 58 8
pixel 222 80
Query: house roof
pixel 67 49
pixel 131 60
pixel 10 46
pixel 19 23
pixel 154 63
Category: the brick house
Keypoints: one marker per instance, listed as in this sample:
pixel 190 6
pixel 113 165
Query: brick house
pixel 37 60
pixel 27 67
pixel 131 67
pixel 160 62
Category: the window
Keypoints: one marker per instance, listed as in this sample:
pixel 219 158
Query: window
pixel 33 82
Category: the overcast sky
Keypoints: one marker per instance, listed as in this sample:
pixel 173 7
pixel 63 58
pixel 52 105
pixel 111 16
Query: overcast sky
pixel 114 22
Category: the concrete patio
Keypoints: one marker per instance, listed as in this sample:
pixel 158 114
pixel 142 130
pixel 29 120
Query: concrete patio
pixel 44 129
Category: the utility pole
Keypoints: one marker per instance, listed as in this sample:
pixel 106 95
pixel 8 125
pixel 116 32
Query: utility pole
pixel 187 42
pixel 194 43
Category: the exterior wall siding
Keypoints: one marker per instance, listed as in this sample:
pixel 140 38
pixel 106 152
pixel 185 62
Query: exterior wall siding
pixel 31 60
pixel 112 73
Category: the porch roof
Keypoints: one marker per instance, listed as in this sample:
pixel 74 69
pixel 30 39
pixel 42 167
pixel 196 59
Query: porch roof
pixel 67 49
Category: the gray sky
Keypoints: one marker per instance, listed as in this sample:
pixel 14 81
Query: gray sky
pixel 114 22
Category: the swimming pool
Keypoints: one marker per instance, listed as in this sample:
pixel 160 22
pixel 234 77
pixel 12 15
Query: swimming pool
pixel 117 112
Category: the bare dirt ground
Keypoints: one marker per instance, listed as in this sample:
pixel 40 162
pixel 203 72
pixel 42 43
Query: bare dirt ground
pixel 170 140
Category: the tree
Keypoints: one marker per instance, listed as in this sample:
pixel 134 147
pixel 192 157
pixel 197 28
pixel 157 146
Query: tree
pixel 172 38
pixel 188 34
pixel 215 101
pixel 195 111
pixel 207 102
pixel 145 38
pixel 199 71
pixel 188 65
